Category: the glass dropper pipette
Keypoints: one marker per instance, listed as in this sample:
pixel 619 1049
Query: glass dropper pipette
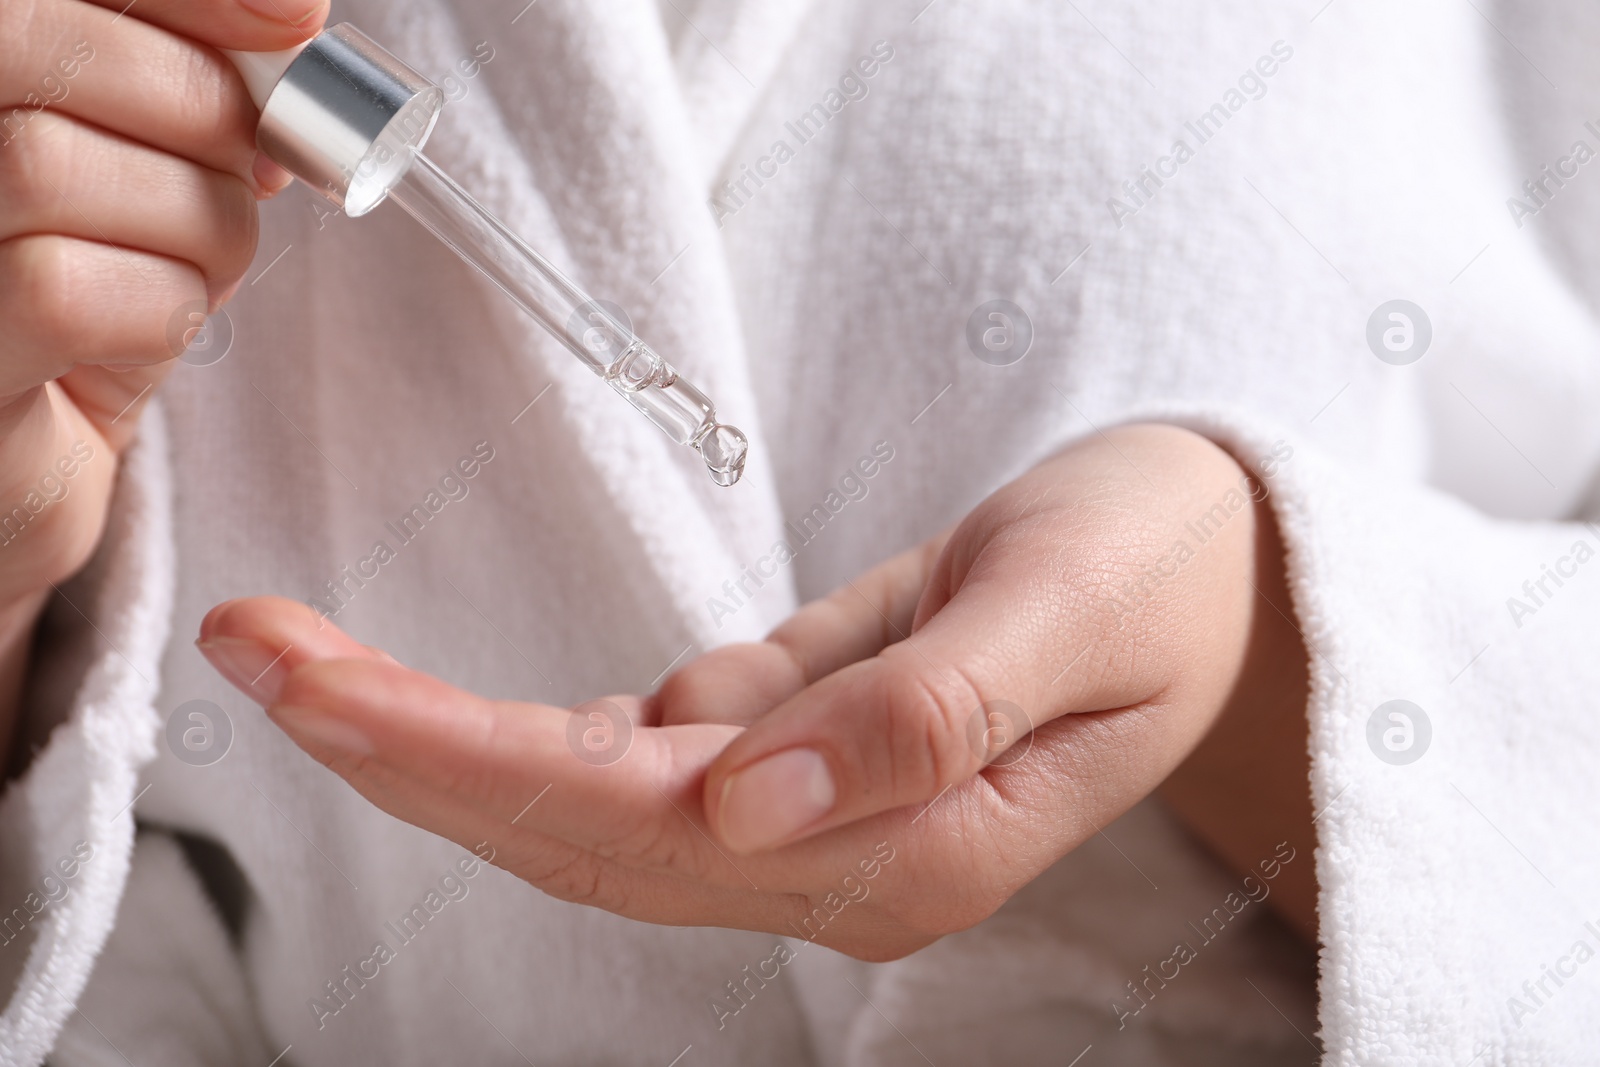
pixel 349 119
pixel 606 346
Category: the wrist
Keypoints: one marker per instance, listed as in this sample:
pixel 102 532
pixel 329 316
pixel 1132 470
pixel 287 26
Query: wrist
pixel 1245 789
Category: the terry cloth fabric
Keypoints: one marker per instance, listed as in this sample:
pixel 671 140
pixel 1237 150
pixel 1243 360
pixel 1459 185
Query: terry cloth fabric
pixel 1204 213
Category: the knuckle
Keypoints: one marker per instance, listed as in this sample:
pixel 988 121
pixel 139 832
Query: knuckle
pixel 475 780
pixel 926 711
pixel 654 841
pixel 651 845
pixel 731 684
pixel 582 878
pixel 199 99
pixel 46 281
pixel 477 786
pixel 238 225
pixel 33 168
pixel 357 767
pixel 687 691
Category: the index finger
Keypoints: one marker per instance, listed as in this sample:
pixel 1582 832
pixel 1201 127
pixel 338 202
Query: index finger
pixel 145 82
pixel 245 25
pixel 631 794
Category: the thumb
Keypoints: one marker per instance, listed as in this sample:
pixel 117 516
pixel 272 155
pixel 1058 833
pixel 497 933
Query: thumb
pixel 926 713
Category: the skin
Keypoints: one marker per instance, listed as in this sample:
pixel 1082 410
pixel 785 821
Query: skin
pixel 864 709
pixel 1245 788
pixel 129 196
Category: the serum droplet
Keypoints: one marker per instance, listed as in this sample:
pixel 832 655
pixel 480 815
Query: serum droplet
pixel 724 449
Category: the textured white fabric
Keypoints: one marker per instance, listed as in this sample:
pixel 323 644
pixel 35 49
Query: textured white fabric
pixel 66 827
pixel 825 313
pixel 168 984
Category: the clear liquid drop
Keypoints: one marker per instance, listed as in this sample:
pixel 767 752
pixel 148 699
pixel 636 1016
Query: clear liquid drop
pixel 724 449
pixel 680 409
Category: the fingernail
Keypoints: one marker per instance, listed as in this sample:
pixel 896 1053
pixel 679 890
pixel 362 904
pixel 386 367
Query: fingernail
pixel 250 665
pixel 208 625
pixel 270 178
pixel 771 801
pixel 288 12
pixel 308 727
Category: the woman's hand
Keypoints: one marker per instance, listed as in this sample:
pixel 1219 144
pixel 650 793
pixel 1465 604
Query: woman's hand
pixel 128 187
pixel 891 764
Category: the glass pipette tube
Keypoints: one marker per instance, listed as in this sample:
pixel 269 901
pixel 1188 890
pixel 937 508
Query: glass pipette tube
pixel 606 346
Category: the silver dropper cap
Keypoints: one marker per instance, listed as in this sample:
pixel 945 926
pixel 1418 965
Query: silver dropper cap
pixel 342 115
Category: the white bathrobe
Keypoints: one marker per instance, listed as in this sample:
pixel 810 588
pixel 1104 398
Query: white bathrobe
pixel 1433 473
